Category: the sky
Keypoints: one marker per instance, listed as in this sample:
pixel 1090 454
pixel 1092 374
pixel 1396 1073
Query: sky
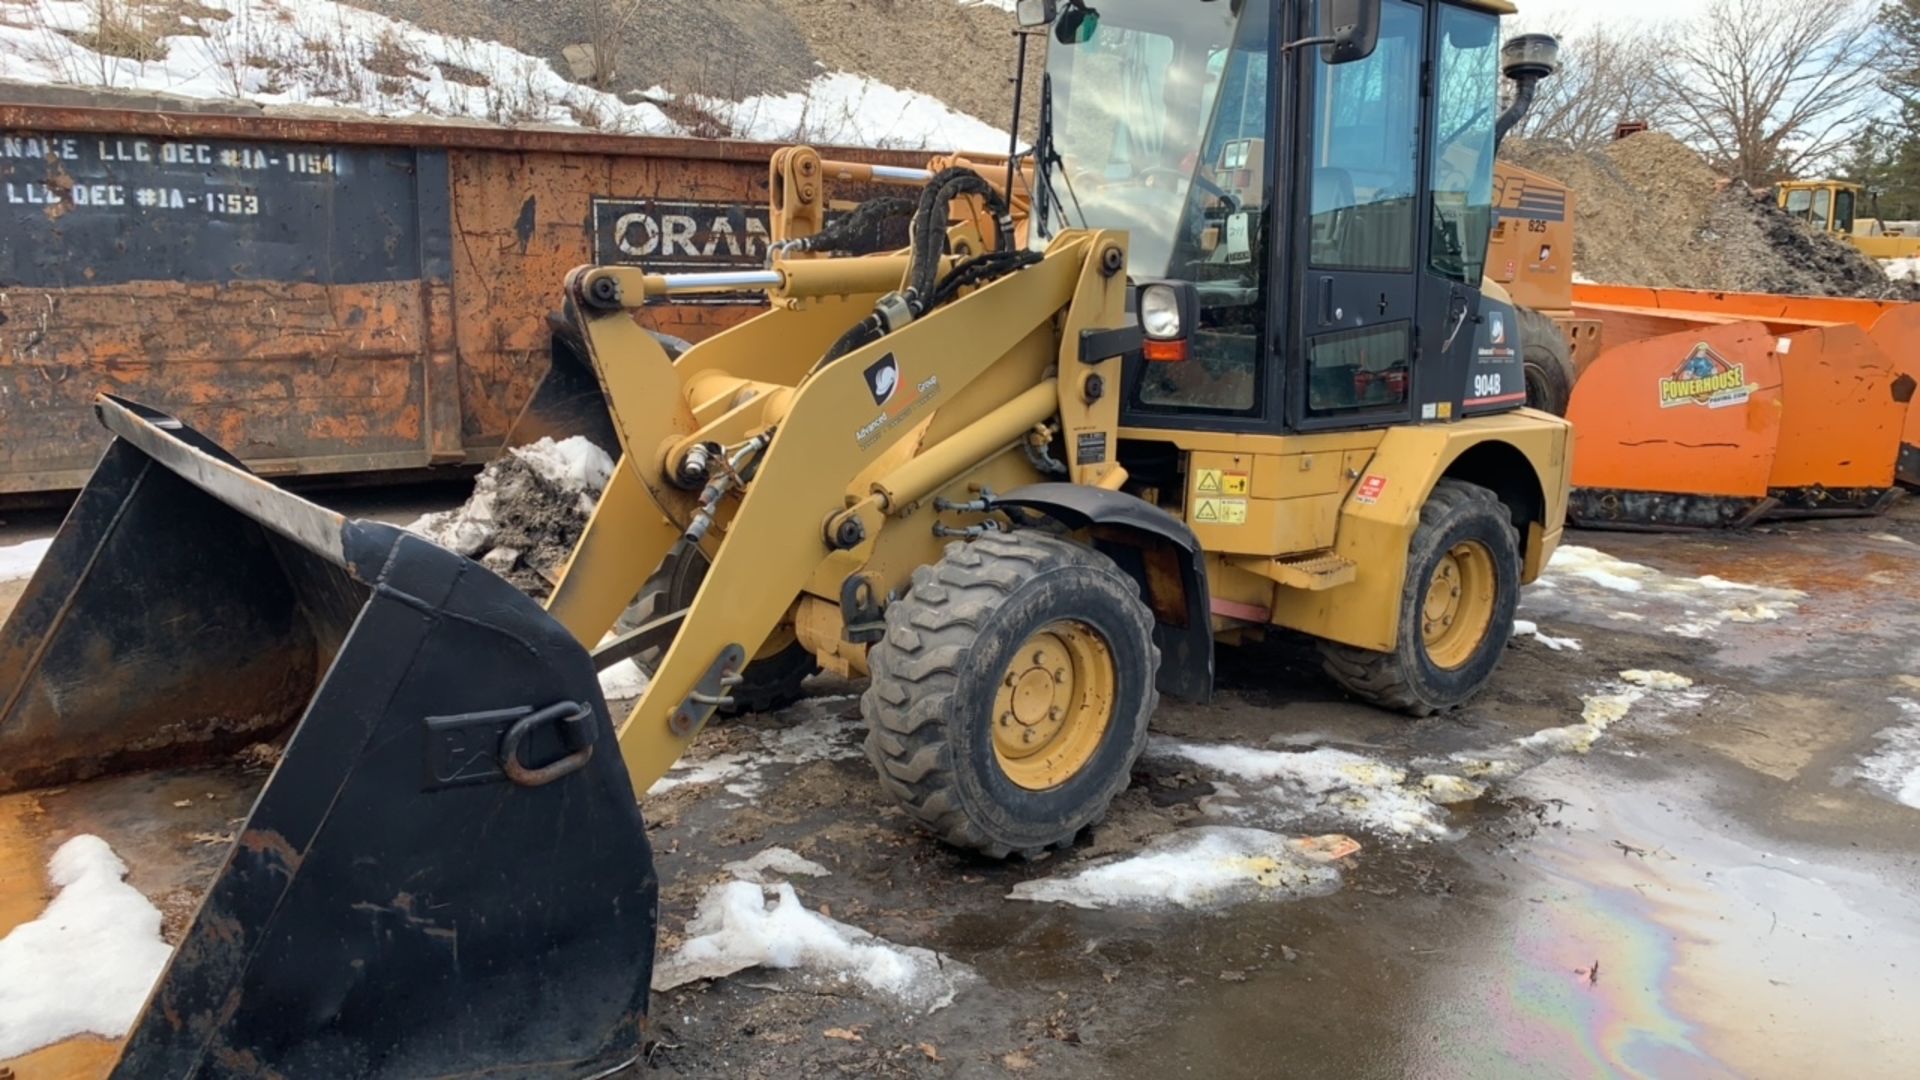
pixel 1576 14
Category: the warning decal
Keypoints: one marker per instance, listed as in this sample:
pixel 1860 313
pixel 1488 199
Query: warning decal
pixel 1220 512
pixel 1221 482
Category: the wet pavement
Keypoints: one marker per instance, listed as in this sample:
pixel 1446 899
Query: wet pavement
pixel 1593 870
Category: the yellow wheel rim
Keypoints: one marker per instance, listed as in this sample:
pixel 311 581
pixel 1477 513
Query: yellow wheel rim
pixel 1458 610
pixel 1054 704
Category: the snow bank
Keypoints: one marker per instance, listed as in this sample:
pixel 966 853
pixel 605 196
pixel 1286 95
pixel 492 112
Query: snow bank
pixel 845 109
pixel 19 561
pixel 1201 868
pixel 327 54
pixel 316 53
pixel 87 963
pixel 1319 784
pixel 1894 769
pixel 737 928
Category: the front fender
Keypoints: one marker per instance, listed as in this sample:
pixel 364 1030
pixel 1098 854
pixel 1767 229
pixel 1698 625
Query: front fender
pixel 1161 553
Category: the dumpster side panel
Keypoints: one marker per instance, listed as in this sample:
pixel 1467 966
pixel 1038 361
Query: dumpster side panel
pixel 522 221
pixel 330 296
pixel 270 291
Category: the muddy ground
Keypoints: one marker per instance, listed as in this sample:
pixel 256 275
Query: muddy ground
pixel 1718 882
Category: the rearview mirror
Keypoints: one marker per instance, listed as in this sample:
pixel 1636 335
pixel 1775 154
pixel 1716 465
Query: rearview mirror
pixel 1351 28
pixel 1032 14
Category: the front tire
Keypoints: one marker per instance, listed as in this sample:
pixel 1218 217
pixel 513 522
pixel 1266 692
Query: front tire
pixel 1456 608
pixel 1011 694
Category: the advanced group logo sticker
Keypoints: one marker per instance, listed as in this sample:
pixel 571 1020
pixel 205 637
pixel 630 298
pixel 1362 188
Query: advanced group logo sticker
pixel 1705 378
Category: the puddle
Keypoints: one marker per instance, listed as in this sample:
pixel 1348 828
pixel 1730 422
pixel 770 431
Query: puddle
pixel 1652 939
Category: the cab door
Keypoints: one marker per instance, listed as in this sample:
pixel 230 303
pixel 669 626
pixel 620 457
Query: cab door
pixel 1358 242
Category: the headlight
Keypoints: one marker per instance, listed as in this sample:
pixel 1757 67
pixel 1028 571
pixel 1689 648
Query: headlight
pixel 1160 313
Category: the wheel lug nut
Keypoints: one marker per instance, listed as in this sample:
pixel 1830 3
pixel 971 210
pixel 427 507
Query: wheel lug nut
pixel 1039 659
pixel 1060 675
pixel 1007 719
pixel 1053 713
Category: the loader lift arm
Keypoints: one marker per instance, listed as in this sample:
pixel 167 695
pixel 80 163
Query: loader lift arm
pixel 799 525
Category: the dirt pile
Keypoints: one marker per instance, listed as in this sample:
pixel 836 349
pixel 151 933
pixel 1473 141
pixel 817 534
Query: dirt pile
pixel 960 51
pixel 1650 211
pixel 528 509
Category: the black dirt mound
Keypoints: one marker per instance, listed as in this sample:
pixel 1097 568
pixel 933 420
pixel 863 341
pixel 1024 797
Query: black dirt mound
pixel 1650 211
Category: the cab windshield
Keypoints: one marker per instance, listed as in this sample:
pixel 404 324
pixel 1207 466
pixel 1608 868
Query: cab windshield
pixel 1159 117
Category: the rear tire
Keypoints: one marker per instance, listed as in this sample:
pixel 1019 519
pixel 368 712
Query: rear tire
pixel 771 681
pixel 1456 608
pixel 1548 361
pixel 1011 694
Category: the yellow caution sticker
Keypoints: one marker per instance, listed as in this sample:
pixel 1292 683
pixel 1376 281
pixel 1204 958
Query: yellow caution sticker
pixel 1234 483
pixel 1208 482
pixel 1220 512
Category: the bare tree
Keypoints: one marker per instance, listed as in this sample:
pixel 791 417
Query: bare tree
pixel 1772 88
pixel 1606 76
pixel 605 22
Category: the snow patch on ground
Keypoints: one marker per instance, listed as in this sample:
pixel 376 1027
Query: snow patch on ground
pixel 1201 868
pixel 319 53
pixel 87 963
pixel 1692 607
pixel 19 561
pixel 1894 769
pixel 1656 680
pixel 738 927
pixel 1323 783
pixel 1528 628
pixel 823 735
pixel 775 863
pixel 623 681
pixel 1649 694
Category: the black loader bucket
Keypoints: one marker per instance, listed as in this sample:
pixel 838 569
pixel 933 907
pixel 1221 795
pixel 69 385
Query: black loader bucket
pixel 445 875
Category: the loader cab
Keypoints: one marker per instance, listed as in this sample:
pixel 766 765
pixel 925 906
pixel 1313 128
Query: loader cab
pixel 1307 223
pixel 1827 205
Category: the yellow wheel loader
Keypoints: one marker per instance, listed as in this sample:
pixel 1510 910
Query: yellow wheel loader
pixel 1832 206
pixel 1239 376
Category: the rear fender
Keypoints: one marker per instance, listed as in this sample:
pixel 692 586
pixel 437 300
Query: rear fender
pixel 1160 552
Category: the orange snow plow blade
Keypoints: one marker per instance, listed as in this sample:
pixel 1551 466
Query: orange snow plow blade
pixel 1738 408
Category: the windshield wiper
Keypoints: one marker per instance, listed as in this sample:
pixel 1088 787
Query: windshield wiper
pixel 1046 157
